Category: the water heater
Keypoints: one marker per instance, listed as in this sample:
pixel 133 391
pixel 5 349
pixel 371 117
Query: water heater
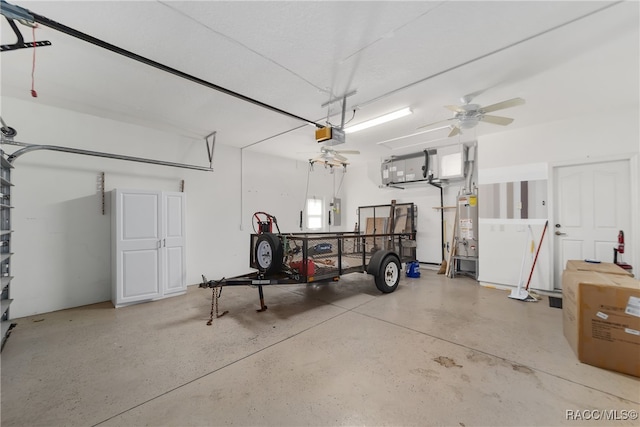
pixel 467 227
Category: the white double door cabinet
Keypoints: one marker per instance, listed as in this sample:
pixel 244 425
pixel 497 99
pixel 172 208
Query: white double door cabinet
pixel 148 254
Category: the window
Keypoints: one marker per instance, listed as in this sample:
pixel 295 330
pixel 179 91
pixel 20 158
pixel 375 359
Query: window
pixel 314 214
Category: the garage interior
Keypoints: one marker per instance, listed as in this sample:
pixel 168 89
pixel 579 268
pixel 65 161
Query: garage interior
pixel 516 139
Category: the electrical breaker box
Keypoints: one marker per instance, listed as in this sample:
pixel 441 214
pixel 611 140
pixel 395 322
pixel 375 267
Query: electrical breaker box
pixel 336 211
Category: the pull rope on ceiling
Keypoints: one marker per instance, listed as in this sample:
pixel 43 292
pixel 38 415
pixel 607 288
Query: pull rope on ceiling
pixel 16 12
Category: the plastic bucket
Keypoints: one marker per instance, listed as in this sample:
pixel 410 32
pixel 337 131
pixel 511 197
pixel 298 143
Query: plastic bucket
pixel 413 269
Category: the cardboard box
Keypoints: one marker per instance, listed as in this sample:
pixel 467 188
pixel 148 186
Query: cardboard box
pixel 600 267
pixel 601 319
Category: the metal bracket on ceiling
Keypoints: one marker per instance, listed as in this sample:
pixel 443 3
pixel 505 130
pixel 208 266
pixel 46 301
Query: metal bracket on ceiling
pixel 339 98
pixel 344 106
pixel 13 13
pixel 210 148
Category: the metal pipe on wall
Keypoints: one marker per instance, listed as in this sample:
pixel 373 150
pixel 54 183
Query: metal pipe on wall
pixel 34 147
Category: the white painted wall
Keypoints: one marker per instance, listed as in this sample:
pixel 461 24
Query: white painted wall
pixel 363 189
pixel 62 241
pixel 278 186
pixel 529 153
pixel 601 128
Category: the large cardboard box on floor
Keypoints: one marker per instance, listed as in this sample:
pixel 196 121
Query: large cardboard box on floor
pixel 600 267
pixel 601 319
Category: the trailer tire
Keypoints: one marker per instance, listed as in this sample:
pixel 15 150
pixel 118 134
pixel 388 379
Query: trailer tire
pixel 268 253
pixel 388 276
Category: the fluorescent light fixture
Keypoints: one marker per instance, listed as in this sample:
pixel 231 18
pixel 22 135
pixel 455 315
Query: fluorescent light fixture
pixel 379 120
pixel 413 134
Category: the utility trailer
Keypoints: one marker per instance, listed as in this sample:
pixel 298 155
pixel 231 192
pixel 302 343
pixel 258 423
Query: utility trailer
pixel 297 258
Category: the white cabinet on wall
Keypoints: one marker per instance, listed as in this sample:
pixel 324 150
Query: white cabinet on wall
pixel 148 246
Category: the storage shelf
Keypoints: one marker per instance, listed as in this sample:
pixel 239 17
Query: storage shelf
pixel 5 163
pixel 6 324
pixel 4 305
pixel 5 233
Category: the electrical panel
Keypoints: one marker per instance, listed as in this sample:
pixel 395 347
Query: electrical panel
pixel 336 212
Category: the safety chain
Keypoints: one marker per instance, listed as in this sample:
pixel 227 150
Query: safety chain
pixel 214 305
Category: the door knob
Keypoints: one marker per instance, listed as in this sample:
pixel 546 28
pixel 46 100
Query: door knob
pixel 560 234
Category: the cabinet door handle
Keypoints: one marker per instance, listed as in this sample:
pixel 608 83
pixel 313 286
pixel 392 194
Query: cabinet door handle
pixel 164 242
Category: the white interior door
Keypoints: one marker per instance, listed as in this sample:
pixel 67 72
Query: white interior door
pixel 592 203
pixel 138 231
pixel 174 242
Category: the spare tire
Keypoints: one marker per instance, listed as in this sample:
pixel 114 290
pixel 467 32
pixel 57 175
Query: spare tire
pixel 268 253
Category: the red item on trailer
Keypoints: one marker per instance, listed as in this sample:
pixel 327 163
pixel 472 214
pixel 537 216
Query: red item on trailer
pixel 265 225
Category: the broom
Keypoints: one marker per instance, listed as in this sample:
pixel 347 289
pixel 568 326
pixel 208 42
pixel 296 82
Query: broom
pixel 533 294
pixel 443 265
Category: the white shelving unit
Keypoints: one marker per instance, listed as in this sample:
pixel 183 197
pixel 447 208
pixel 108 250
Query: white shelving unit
pixel 5 243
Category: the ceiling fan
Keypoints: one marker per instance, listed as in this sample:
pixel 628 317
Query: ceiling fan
pixel 468 115
pixel 330 157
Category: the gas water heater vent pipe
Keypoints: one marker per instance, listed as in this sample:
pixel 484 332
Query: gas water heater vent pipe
pixel 469 175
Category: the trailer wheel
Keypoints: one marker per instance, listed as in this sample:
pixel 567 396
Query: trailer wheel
pixel 268 253
pixel 388 276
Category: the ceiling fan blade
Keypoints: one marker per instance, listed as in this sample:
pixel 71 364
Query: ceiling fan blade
pixel 455 131
pixel 496 120
pixel 504 104
pixel 466 99
pixel 436 123
pixel 454 108
pixel 339 157
pixel 347 151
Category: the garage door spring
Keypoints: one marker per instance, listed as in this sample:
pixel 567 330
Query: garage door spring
pixel 214 305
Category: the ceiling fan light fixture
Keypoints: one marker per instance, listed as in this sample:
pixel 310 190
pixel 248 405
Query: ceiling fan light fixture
pixel 379 120
pixel 468 122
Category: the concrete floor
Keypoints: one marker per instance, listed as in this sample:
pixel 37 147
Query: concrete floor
pixel 435 352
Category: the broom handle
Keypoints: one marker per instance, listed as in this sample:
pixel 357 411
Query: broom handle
pixel 524 257
pixel 537 252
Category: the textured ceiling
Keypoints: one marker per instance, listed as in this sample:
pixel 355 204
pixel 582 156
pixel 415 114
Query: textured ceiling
pixel 562 57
